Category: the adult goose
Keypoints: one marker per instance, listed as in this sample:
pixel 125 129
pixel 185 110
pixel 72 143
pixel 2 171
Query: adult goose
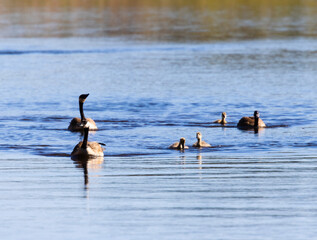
pixel 179 145
pixel 87 149
pixel 251 122
pixel 200 143
pixel 77 123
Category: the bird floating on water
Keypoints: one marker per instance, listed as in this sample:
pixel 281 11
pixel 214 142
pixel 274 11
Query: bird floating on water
pixel 222 120
pixel 200 143
pixel 77 123
pixel 251 122
pixel 179 145
pixel 87 149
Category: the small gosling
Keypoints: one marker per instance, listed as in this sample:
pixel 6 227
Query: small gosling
pixel 222 120
pixel 200 143
pixel 179 145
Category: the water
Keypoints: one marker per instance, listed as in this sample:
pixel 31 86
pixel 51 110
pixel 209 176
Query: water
pixel 155 74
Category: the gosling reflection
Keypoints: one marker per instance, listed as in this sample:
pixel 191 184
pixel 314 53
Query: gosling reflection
pixel 183 160
pixel 200 161
pixel 191 162
pixel 88 163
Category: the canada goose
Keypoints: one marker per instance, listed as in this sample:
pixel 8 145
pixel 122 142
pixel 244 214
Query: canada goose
pixel 222 120
pixel 87 149
pixel 251 122
pixel 200 143
pixel 179 145
pixel 76 123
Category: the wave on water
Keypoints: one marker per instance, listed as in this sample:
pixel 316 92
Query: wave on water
pixel 303 145
pixel 91 51
pixel 20 52
pixel 37 149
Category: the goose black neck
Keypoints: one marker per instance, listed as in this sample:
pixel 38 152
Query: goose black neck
pixel 199 141
pixel 181 145
pixel 85 141
pixel 256 122
pixel 81 110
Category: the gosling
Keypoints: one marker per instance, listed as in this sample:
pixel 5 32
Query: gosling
pixel 222 120
pixel 200 143
pixel 179 145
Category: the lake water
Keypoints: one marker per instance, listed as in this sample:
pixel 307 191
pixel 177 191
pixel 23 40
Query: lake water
pixel 157 71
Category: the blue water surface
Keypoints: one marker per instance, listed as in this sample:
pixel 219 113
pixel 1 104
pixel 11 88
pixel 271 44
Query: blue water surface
pixel 144 95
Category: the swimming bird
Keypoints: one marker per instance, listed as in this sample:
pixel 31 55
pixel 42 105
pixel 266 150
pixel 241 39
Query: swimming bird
pixel 76 123
pixel 222 120
pixel 200 143
pixel 251 122
pixel 87 149
pixel 179 145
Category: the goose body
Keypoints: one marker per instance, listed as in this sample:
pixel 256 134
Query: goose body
pixel 87 149
pixel 200 143
pixel 251 122
pixel 77 123
pixel 179 145
pixel 222 120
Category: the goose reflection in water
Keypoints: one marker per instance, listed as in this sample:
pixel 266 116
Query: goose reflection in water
pixel 91 163
pixel 257 131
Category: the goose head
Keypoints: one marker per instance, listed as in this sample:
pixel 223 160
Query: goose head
pixel 83 97
pixel 182 143
pixel 256 114
pixel 198 135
